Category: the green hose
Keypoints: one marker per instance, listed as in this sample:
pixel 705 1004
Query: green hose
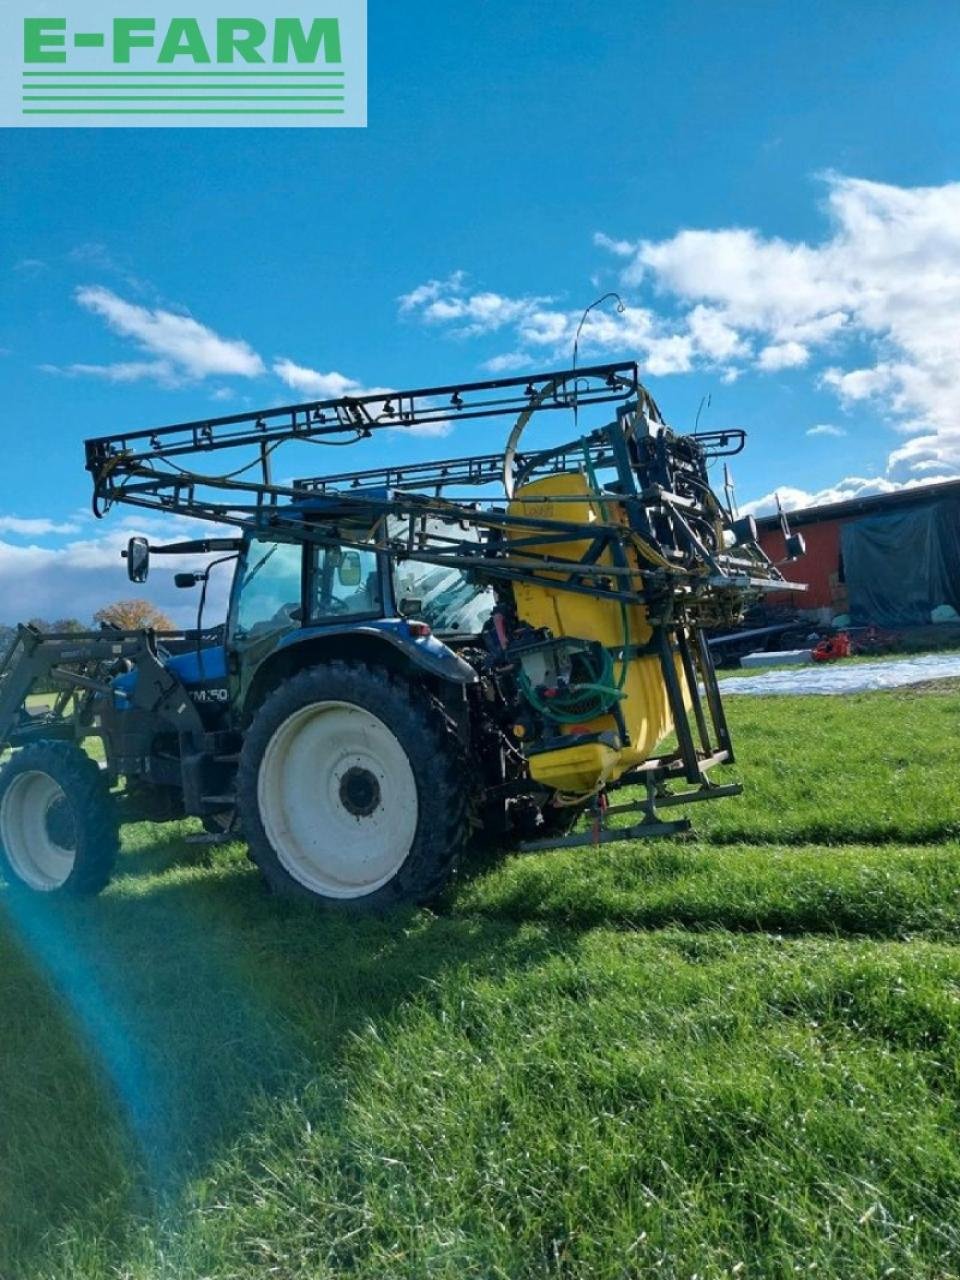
pixel 567 705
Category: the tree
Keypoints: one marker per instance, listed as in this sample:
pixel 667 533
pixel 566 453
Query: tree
pixel 134 615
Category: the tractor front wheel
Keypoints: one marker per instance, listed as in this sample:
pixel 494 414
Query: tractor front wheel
pixel 352 788
pixel 58 824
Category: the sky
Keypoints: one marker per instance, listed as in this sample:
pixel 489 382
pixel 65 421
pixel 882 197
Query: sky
pixel 772 189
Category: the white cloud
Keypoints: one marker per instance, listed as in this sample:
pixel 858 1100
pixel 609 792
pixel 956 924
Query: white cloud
pixel 509 362
pixel 713 336
pixel 176 342
pixel 622 248
pixel 160 371
pixel 825 429
pixel 431 291
pixel 860 384
pixel 793 499
pixel 888 274
pixel 333 385
pixel 783 355
pixel 883 280
pixel 429 430
pixel 309 382
pixel 75 580
pixel 551 331
pixel 35 527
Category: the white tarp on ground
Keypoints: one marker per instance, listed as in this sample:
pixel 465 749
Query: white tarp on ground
pixel 847 677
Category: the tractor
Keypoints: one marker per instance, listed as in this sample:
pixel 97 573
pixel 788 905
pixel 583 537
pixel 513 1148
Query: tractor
pixel 416 657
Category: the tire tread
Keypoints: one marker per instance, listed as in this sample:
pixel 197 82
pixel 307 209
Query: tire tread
pixel 86 789
pixel 416 718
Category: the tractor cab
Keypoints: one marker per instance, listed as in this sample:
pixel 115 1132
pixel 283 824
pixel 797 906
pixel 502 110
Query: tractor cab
pixel 287 592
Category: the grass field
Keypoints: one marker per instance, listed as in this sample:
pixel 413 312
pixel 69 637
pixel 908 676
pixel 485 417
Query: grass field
pixel 737 1055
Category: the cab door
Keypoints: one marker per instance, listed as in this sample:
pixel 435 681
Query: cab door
pixel 267 602
pixel 345 586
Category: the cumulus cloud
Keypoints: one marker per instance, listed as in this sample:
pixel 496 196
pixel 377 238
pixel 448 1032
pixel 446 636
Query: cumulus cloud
pixel 888 273
pixel 793 499
pixel 783 355
pixel 508 362
pixel 35 527
pixel 825 429
pixel 871 308
pixel 333 385
pixel 87 572
pixel 714 336
pixel 310 382
pixel 449 302
pixel 622 248
pixel 181 348
pixel 424 294
pixel 544 332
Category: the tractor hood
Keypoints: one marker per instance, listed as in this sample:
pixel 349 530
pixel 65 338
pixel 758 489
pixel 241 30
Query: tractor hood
pixel 193 668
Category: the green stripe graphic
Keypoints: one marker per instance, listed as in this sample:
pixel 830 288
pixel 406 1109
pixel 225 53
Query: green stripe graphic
pixel 252 87
pixel 183 73
pixel 88 89
pixel 185 111
pixel 184 97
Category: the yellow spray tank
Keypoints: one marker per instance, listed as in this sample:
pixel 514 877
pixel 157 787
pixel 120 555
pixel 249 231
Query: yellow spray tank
pixel 622 630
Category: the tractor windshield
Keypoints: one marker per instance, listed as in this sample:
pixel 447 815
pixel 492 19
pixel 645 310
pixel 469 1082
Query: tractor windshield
pixel 269 596
pixel 449 601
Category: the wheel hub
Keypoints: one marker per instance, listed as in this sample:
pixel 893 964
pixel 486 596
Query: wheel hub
pixel 359 792
pixel 338 799
pixel 60 824
pixel 38 830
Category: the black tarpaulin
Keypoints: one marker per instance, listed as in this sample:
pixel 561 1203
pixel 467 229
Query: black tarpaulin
pixel 901 564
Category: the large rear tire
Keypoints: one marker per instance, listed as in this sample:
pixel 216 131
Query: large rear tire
pixel 59 832
pixel 352 789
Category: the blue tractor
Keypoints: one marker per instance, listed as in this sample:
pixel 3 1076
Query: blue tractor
pixel 408 663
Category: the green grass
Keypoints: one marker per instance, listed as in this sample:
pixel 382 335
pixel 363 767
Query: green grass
pixel 734 1054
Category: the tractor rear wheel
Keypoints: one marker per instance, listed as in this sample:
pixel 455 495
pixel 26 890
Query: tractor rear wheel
pixel 352 788
pixel 59 832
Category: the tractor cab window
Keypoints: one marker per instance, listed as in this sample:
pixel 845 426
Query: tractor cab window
pixel 270 592
pixel 346 584
pixel 445 597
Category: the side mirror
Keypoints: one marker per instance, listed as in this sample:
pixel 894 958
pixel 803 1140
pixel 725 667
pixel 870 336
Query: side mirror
pixel 348 574
pixel 137 556
pixel 187 579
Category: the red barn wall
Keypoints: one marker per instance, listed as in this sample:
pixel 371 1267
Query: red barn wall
pixel 821 560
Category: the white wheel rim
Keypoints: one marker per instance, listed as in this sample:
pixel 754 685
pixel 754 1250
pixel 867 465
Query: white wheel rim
pixel 40 857
pixel 338 800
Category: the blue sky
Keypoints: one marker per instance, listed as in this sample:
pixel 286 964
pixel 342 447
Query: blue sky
pixel 771 188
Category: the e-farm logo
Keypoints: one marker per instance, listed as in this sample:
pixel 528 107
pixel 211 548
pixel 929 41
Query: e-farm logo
pixel 96 65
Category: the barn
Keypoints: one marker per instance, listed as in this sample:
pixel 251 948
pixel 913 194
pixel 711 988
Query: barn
pixel 890 559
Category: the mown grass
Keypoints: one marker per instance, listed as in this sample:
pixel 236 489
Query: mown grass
pixel 737 1054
